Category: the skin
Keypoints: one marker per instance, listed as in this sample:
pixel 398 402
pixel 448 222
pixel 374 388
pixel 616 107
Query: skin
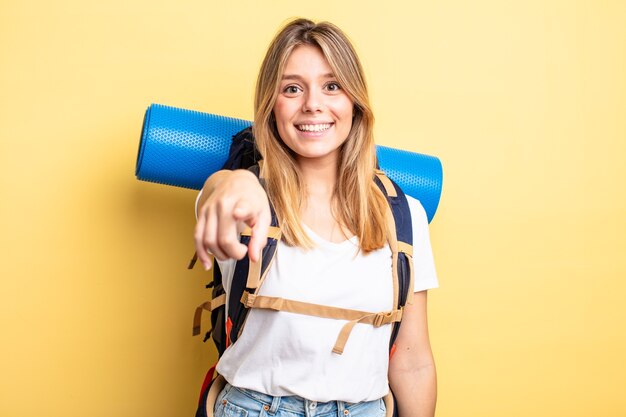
pixel 310 96
pixel 412 373
pixel 231 200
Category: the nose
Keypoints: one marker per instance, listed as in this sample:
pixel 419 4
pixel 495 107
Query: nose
pixel 313 102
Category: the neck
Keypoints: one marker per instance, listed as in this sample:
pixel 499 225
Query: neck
pixel 319 177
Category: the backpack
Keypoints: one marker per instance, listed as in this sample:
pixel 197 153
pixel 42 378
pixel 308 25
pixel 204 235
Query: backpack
pixel 226 326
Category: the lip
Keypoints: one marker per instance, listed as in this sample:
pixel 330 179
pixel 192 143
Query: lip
pixel 314 122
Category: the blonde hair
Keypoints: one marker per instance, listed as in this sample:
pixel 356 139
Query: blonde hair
pixel 358 203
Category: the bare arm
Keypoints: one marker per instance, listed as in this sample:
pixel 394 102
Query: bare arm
pixel 230 201
pixel 412 374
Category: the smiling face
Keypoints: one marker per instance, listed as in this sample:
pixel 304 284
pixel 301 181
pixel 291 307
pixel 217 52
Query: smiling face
pixel 313 113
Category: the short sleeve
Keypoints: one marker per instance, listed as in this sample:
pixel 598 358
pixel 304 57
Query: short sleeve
pixel 423 261
pixel 196 205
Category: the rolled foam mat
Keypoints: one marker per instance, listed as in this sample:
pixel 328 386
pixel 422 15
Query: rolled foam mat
pixel 183 147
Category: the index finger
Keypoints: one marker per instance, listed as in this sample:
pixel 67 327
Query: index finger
pixel 258 238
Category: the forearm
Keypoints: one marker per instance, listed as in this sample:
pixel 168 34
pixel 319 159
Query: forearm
pixel 415 390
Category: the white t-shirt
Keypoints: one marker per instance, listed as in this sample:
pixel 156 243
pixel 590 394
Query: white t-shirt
pixel 281 353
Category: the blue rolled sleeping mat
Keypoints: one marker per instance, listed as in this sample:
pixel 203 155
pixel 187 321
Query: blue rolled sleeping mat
pixel 184 147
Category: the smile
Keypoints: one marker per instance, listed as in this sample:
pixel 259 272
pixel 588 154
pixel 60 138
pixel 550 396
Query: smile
pixel 314 128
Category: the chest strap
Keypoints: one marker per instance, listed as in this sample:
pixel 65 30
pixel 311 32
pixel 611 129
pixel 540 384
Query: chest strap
pixel 300 307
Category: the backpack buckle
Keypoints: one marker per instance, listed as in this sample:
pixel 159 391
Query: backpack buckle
pixel 247 299
pixel 382 318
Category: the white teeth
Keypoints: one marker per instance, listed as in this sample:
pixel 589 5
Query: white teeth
pixel 314 128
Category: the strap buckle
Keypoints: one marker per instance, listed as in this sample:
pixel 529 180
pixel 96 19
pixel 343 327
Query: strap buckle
pixel 382 318
pixel 247 299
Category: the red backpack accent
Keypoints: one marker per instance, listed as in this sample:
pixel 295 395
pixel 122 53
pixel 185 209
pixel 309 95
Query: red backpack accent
pixel 207 381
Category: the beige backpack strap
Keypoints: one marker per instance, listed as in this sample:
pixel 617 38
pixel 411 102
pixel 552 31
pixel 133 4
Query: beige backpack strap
pixel 254 273
pixel 254 269
pixel 389 188
pixel 375 319
pixel 393 244
pixel 389 404
pixel 300 307
pixel 272 233
pixel 255 279
pixel 324 311
pixel 208 306
pixel 216 387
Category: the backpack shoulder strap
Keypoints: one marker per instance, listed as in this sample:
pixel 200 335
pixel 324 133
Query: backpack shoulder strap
pixel 400 231
pixel 249 276
pixel 243 152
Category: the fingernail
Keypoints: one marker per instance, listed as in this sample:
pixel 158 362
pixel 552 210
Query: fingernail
pixel 207 267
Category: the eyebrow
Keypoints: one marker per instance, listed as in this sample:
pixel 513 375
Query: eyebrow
pixel 298 77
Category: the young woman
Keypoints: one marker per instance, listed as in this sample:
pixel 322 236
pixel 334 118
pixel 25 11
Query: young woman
pixel 314 128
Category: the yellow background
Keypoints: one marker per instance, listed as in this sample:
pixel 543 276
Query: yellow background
pixel 523 101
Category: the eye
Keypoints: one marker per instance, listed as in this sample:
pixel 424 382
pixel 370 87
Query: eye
pixel 333 86
pixel 291 89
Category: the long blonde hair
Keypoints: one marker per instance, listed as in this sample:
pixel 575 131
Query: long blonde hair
pixel 358 204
